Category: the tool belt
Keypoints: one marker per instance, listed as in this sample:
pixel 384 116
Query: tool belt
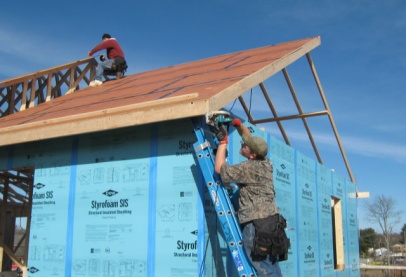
pixel 119 64
pixel 270 239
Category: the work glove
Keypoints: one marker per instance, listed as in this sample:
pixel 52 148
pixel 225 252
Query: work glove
pixel 236 122
pixel 222 134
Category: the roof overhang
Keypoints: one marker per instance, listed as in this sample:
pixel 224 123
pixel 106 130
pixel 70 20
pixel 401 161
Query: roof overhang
pixel 181 91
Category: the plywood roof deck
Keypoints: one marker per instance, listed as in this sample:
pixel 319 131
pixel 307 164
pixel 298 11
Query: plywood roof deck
pixel 179 91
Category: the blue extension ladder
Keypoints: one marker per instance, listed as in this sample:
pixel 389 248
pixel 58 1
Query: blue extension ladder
pixel 221 201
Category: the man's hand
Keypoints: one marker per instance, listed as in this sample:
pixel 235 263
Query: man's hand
pixel 236 122
pixel 224 140
pixel 222 134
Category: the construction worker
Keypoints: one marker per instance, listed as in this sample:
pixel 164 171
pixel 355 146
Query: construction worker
pixel 114 52
pixel 254 178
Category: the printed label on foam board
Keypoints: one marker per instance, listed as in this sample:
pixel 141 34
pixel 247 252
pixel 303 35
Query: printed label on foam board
pixel 111 200
pixel 338 186
pixel 325 190
pixel 106 215
pixel 351 225
pixel 283 160
pixel 176 195
pixel 49 224
pixel 307 214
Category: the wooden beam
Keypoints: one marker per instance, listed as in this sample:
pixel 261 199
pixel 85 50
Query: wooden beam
pixel 20 79
pixel 246 109
pixel 39 97
pixel 49 87
pixel 11 102
pixel 32 95
pixel 362 194
pixel 338 234
pixel 131 115
pixel 15 260
pixel 3 221
pixel 72 71
pixel 24 96
pixel 63 79
pixel 300 110
pixel 323 97
pixel 28 227
pixel 44 78
pixel 290 117
pixel 274 113
pixel 81 76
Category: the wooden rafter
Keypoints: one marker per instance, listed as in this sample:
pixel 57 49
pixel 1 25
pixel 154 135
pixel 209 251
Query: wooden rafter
pixel 333 125
pixel 16 179
pixel 300 110
pixel 18 94
pixel 301 115
pixel 274 113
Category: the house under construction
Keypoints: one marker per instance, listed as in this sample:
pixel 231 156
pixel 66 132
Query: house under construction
pixel 108 182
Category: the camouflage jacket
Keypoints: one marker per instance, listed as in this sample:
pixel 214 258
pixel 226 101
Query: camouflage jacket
pixel 257 194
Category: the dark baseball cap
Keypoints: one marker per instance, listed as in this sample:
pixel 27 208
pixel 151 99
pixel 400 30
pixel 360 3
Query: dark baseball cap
pixel 256 144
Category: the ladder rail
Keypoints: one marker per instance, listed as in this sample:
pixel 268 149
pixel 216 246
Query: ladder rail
pixel 221 201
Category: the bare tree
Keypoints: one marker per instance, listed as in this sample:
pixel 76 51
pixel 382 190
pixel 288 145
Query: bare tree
pixel 382 211
pixel 403 234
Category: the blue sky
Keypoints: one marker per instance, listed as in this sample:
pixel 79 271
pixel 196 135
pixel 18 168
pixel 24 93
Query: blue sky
pixel 360 62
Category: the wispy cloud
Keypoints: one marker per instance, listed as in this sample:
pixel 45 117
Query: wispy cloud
pixel 23 51
pixel 17 44
pixel 371 148
pixel 356 145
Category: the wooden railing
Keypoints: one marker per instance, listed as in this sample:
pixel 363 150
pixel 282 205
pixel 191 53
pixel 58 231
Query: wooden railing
pixel 20 93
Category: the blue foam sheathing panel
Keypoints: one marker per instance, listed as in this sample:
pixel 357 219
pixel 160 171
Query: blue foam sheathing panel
pixel 131 202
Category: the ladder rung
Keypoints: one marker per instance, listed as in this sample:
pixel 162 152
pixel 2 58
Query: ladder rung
pixel 222 204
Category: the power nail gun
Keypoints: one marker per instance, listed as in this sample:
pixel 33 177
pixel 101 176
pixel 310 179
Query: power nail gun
pixel 217 118
pixel 219 121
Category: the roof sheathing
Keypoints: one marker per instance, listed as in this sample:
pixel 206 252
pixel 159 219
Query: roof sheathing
pixel 180 91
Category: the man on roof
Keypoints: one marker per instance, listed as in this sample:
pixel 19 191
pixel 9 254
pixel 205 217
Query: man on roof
pixel 114 53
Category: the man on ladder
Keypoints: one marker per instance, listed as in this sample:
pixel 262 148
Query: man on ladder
pixel 263 234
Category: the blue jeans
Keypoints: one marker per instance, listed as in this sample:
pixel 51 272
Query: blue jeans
pixel 101 67
pixel 264 268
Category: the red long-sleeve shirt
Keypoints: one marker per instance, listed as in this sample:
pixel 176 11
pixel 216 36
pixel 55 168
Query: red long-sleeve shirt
pixel 112 47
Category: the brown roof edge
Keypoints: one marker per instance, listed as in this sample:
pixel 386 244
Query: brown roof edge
pixel 131 115
pixel 236 90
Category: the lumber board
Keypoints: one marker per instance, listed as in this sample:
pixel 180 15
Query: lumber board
pixel 137 114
